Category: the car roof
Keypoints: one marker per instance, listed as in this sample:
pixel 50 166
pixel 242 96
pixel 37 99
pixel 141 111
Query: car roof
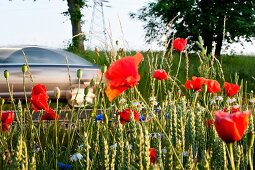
pixel 38 55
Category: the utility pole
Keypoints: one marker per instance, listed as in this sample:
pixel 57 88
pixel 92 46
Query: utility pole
pixel 97 32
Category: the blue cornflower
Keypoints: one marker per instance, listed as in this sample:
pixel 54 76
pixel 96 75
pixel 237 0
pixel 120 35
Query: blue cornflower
pixel 142 118
pixel 167 116
pixel 63 166
pixel 157 110
pixel 100 117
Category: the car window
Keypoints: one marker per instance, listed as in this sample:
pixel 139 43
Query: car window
pixel 36 55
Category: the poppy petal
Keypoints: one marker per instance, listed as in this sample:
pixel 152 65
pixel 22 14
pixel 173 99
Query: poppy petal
pixel 112 93
pixel 122 74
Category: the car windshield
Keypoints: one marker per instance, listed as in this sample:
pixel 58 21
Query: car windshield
pixel 35 55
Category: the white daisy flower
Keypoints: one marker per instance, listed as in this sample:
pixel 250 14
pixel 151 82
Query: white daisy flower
pixel 113 146
pixel 76 157
pixel 231 100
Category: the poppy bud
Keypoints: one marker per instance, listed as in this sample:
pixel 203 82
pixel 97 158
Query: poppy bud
pixel 24 68
pixel 2 102
pixel 97 51
pixel 57 92
pixel 92 83
pixel 79 73
pixel 86 90
pixel 6 74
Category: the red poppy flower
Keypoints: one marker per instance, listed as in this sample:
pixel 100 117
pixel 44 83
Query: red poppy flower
pixel 39 97
pixel 125 115
pixel 179 44
pixel 49 115
pixel 7 119
pixel 122 74
pixel 6 127
pixel 232 109
pixel 195 84
pixel 213 86
pixel 231 127
pixel 39 102
pixel 231 89
pixel 153 155
pixel 39 89
pixel 208 123
pixel 160 74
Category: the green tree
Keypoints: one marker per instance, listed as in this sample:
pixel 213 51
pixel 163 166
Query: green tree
pixel 214 20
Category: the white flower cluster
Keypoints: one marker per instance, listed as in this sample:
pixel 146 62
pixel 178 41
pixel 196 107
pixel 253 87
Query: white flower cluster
pixel 76 157
pixel 216 99
pixel 156 135
pixel 153 101
pixel 138 105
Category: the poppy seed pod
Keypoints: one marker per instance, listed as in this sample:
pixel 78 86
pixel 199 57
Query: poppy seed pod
pixel 24 68
pixel 2 102
pixel 79 73
pixel 86 90
pixel 6 74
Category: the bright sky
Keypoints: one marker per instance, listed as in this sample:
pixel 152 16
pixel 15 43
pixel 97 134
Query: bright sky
pixel 41 23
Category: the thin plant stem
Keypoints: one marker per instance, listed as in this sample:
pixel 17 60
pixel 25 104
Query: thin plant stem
pixel 24 89
pixel 231 155
pixel 179 65
pixel 250 158
pixel 187 65
pixel 11 94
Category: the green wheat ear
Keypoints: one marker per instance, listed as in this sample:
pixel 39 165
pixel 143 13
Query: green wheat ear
pixel 139 146
pixel 146 148
pixel 127 155
pixel 106 154
pixel 32 162
pixel 120 146
pixel 133 141
pixel 21 156
pixel 219 154
pixel 113 156
pixel 86 151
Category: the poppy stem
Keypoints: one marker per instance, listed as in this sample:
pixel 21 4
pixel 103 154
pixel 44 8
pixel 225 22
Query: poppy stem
pixel 231 155
pixel 179 65
pixel 250 144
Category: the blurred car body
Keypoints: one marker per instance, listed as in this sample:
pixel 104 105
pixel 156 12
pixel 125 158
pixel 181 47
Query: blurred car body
pixel 51 67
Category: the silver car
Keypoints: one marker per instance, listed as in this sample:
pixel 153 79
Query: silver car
pixel 51 67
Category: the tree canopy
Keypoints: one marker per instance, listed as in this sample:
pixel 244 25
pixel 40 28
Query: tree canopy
pixel 211 19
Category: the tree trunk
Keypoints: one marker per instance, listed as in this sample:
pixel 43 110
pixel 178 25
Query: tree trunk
pixel 74 11
pixel 220 24
pixel 208 40
pixel 206 28
pixel 219 38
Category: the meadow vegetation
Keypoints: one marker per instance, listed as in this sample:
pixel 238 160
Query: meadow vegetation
pixel 150 114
